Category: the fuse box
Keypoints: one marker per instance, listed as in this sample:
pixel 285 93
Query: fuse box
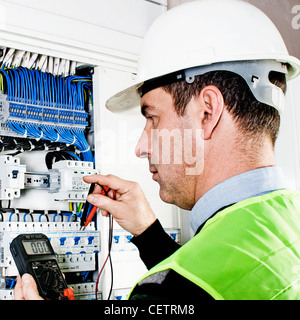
pixel 46 121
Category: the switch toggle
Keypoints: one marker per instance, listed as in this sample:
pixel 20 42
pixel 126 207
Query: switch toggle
pixel 62 241
pixel 76 240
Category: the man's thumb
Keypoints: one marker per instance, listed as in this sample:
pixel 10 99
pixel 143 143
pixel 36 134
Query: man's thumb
pixel 30 290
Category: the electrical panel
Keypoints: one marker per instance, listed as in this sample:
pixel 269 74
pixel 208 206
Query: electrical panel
pixel 46 121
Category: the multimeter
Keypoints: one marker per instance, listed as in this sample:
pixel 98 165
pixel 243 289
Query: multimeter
pixel 34 254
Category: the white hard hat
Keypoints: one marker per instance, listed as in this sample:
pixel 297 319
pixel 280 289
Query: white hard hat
pixel 207 35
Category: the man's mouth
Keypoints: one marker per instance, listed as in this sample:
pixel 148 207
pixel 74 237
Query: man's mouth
pixel 154 173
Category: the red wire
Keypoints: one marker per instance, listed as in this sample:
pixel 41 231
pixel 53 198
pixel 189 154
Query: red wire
pixel 97 282
pixel 94 209
pixel 90 216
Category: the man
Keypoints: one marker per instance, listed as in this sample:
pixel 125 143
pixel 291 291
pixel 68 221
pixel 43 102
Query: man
pixel 215 72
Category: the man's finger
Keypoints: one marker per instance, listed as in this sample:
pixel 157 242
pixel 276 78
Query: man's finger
pixel 30 291
pixel 104 213
pixel 18 291
pixel 111 181
pixel 105 203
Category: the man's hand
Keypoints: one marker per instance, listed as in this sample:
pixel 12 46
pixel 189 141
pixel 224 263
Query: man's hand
pixel 26 288
pixel 130 208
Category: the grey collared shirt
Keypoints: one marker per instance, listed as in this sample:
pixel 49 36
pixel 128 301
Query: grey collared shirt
pixel 237 188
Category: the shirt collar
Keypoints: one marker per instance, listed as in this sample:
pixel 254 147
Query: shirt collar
pixel 237 188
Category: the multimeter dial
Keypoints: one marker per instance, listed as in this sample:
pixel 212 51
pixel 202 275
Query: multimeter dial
pixel 48 274
pixel 49 278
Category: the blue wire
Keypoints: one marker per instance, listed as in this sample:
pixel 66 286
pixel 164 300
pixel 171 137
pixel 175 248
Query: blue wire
pixel 18 85
pixel 56 214
pixel 15 81
pixel 10 216
pixel 24 218
pixel 22 89
pixel 61 105
pixel 74 156
pixel 16 126
pixel 54 86
pixel 33 130
pixel 46 89
pixel 43 89
pixel 26 87
pixel 10 75
pixel 85 274
pixel 9 86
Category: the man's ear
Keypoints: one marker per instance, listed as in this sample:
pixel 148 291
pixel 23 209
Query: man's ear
pixel 212 105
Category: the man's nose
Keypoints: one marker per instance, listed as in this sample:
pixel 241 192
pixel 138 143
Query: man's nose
pixel 143 147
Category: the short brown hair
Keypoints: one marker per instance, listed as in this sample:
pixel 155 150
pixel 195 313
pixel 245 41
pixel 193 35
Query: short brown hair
pixel 253 117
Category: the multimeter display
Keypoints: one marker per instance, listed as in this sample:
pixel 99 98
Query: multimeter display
pixel 36 247
pixel 34 254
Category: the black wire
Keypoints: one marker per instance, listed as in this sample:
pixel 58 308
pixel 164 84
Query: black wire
pixel 86 206
pixel 56 156
pixel 17 145
pixel 110 234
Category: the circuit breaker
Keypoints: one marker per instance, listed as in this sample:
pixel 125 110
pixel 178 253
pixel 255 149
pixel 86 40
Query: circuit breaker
pixel 11 177
pixel 66 180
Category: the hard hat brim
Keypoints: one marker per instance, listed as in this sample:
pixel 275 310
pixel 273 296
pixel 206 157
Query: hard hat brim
pixel 128 100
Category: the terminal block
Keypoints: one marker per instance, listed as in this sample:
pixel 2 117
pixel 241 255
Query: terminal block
pixel 25 112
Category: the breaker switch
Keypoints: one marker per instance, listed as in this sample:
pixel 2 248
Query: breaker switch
pixel 76 240
pixel 15 174
pixel 117 238
pixel 90 239
pixel 62 241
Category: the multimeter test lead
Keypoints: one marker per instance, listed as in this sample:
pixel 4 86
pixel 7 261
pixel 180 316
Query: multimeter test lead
pixel 85 220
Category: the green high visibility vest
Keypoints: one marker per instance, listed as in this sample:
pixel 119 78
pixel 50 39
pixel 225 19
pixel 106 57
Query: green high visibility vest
pixel 250 250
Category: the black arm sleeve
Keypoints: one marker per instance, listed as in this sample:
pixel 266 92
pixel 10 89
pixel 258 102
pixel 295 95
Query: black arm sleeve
pixel 154 245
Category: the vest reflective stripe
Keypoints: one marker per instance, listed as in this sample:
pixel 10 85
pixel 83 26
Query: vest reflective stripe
pixel 250 250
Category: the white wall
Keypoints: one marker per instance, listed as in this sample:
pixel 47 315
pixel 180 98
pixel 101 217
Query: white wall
pixel 287 148
pixel 127 16
pixel 95 31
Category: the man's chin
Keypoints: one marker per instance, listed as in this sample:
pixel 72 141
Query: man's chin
pixel 165 196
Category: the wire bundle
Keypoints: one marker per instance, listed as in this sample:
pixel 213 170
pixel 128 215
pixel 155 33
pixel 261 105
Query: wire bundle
pixel 49 107
pixel 16 145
